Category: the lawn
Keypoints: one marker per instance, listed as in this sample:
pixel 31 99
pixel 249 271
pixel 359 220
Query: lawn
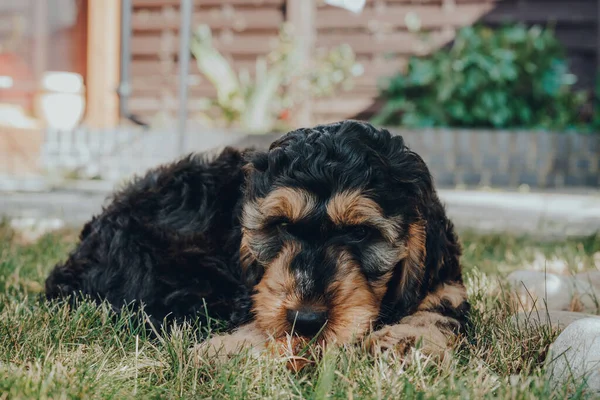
pixel 49 351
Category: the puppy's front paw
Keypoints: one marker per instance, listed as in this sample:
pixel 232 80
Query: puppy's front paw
pixel 221 347
pixel 390 338
pixel 401 338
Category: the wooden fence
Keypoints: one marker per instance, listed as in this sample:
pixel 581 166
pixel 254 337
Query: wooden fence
pixel 383 36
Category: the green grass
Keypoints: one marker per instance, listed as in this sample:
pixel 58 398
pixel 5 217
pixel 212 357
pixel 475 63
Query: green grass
pixel 49 351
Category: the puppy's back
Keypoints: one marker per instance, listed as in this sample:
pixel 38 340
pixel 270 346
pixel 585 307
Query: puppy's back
pixel 168 240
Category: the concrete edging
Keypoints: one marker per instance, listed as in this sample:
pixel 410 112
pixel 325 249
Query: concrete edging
pixel 550 215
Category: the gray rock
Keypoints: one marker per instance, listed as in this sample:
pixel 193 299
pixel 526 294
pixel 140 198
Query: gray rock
pixel 556 319
pixel 575 356
pixel 540 290
pixel 592 277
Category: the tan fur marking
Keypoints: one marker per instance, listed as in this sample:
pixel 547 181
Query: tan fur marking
pixel 248 169
pixel 252 217
pixel 246 256
pixel 355 303
pixel 291 203
pixel 416 253
pixel 285 202
pixel 455 293
pixel 353 208
pixel 425 318
pixel 275 293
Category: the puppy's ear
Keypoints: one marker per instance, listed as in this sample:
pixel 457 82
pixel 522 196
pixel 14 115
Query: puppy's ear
pixel 432 248
pixel 432 257
pixel 252 270
pixel 255 161
pixel 443 251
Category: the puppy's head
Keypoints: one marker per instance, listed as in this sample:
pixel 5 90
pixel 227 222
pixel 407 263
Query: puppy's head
pixel 342 229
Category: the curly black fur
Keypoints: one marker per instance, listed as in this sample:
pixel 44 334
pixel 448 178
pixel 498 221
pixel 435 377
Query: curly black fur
pixel 169 240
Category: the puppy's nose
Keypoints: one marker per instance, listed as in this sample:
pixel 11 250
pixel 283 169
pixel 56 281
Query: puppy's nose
pixel 306 321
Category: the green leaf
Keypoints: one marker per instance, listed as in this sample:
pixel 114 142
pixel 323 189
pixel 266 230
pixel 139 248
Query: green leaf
pixel 513 76
pixel 213 65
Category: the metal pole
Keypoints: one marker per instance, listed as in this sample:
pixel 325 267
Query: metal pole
pixel 186 10
pixel 125 86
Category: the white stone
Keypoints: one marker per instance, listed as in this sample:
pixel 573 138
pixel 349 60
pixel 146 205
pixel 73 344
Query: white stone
pixel 31 229
pixel 538 290
pixel 575 355
pixel 553 265
pixel 556 319
pixel 592 277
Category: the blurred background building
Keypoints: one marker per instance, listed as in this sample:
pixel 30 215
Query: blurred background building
pixel 96 88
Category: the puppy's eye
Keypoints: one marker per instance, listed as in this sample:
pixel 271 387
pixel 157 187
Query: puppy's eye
pixel 360 233
pixel 279 223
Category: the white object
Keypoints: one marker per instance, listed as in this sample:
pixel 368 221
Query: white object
pixel 6 82
pixel 14 116
pixel 537 289
pixel 356 6
pixel 31 229
pixel 593 277
pixel 576 355
pixel 556 319
pixel 62 101
pixel 62 82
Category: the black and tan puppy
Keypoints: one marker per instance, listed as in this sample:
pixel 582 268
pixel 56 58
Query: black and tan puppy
pixel 335 232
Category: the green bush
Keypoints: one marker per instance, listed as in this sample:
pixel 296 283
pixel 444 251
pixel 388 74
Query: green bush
pixel 512 77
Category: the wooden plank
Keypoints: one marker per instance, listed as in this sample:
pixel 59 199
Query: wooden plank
pixel 583 66
pixel 343 106
pixel 142 90
pixel 572 11
pixel 397 42
pixel 322 5
pixel 103 63
pixel 239 20
pixel 149 104
pixel 200 86
pixel 146 87
pixel 577 38
pixel 195 92
pixel 155 69
pixel 482 1
pixel 166 102
pixel 167 45
pixel 337 108
pixel 175 3
pixel 392 17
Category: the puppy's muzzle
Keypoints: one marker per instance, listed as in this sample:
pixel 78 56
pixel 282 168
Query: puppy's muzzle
pixel 307 321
